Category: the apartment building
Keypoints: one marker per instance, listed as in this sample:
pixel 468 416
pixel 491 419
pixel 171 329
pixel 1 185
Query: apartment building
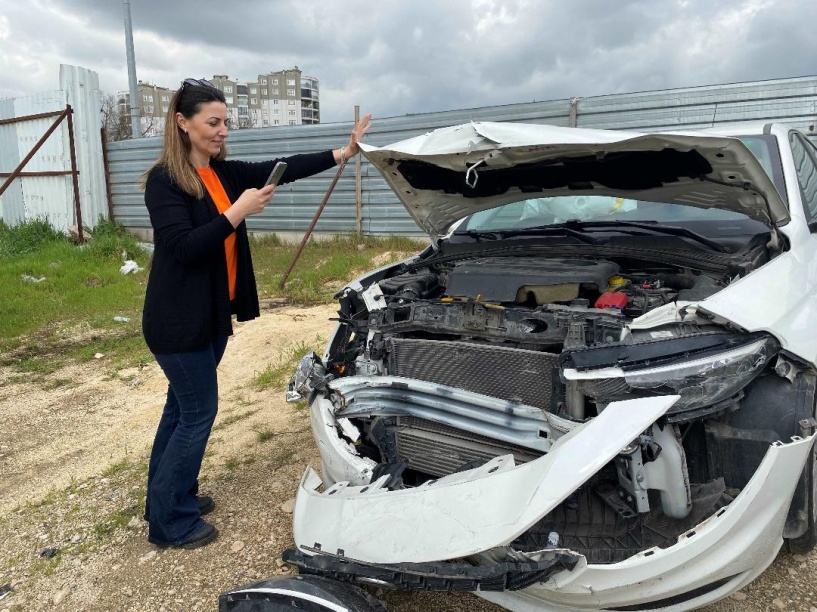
pixel 153 102
pixel 285 97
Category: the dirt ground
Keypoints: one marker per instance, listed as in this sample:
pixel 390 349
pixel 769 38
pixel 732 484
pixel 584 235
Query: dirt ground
pixel 72 461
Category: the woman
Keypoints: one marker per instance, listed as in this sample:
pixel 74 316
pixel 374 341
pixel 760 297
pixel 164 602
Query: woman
pixel 201 275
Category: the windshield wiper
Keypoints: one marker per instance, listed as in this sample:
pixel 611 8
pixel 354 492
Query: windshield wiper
pixel 652 226
pixel 480 235
pixel 672 230
pixel 551 230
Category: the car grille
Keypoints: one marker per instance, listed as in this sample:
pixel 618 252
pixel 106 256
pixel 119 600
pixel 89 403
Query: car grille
pixel 515 375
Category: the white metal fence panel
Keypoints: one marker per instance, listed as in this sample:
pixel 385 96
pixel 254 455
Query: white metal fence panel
pixel 42 196
pixel 11 202
pixel 81 87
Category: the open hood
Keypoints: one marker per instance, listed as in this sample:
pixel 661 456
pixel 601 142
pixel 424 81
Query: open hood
pixel 452 172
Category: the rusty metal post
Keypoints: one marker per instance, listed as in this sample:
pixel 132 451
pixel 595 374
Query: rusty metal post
pixel 31 117
pixel 75 173
pixel 16 172
pixel 312 225
pixel 358 195
pixel 107 169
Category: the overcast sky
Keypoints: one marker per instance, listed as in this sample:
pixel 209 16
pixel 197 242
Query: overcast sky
pixel 394 57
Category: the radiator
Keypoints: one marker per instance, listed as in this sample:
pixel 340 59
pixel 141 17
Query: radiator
pixel 439 450
pixel 516 375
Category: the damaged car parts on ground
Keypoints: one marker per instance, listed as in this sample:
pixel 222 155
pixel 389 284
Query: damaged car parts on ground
pixel 594 390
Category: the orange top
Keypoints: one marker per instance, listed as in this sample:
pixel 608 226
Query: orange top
pixel 216 191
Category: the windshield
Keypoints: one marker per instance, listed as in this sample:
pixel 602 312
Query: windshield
pixel 537 212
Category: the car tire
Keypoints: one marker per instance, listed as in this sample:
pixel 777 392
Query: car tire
pixel 805 543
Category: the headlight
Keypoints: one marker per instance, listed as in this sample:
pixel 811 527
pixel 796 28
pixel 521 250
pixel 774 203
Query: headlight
pixel 309 376
pixel 700 382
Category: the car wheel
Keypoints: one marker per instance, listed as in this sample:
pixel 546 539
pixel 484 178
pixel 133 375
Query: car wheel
pixel 806 542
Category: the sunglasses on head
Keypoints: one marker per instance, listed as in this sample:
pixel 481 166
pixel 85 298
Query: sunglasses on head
pixel 198 83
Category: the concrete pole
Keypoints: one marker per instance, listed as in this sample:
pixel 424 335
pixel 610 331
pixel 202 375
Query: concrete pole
pixel 135 126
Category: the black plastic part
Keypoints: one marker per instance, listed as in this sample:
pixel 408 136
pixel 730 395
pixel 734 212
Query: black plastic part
pixel 395 471
pixel 590 527
pixel 653 353
pixel 770 411
pixel 675 599
pixel 499 279
pixel 309 593
pixel 440 576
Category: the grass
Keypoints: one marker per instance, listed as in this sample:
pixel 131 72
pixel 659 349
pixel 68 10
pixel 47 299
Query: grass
pixel 69 313
pixel 324 266
pixel 69 316
pixel 276 376
pixel 264 434
pixel 233 418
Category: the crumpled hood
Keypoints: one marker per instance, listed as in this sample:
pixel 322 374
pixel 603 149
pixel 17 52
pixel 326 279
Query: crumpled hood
pixel 452 172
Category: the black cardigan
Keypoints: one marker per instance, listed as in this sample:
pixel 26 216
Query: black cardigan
pixel 187 302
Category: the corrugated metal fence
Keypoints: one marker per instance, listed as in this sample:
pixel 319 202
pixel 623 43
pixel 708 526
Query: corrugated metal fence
pixel 789 101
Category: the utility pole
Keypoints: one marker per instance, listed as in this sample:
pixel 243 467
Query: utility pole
pixel 136 129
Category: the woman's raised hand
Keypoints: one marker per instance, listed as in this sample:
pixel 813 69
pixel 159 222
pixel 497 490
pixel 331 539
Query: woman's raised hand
pixel 360 129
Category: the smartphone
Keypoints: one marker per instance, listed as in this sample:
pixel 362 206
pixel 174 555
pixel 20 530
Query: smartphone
pixel 276 174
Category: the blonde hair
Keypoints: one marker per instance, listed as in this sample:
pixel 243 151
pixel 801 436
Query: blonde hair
pixel 175 157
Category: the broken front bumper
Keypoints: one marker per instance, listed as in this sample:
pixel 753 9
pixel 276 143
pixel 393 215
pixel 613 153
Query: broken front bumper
pixel 479 512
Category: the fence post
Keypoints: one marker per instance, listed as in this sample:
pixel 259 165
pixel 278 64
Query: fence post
pixel 358 195
pixel 74 172
pixel 106 168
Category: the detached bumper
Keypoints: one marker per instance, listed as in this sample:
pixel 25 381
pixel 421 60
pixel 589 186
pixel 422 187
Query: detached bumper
pixel 486 508
pixel 468 512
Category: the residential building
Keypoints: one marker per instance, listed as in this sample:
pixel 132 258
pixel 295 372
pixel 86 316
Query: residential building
pixel 285 97
pixel 153 102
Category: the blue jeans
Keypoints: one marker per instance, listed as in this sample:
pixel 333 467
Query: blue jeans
pixel 178 448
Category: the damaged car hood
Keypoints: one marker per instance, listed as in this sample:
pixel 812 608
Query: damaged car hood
pixel 449 173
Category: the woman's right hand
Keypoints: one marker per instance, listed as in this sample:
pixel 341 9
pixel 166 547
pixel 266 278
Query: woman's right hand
pixel 251 202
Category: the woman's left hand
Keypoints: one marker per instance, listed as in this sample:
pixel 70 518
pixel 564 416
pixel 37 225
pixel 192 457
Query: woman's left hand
pixel 360 129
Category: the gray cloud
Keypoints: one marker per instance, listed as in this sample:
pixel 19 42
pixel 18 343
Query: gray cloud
pixel 394 57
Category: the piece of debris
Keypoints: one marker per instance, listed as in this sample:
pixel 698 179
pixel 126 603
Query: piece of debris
pixel 30 279
pixel 130 266
pixel 48 553
pixel 60 596
pixel 5 590
pixel 134 523
pixel 99 356
pixel 288 506
pixel 237 546
pixel 122 319
pixel 147 557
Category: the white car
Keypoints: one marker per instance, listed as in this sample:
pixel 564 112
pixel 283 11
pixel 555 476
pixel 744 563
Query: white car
pixel 595 390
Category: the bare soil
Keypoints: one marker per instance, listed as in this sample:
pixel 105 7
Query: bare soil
pixel 72 467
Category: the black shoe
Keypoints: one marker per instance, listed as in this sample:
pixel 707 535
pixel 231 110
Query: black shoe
pixel 205 503
pixel 203 536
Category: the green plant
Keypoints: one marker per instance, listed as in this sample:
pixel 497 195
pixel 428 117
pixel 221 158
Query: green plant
pixel 276 376
pixel 27 237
